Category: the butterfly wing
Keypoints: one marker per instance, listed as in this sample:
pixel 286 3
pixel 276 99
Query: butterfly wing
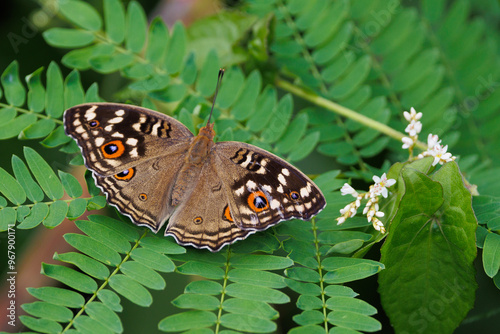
pixel 263 189
pixel 114 137
pixel 134 155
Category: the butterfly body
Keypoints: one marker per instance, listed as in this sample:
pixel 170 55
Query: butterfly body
pixel 152 168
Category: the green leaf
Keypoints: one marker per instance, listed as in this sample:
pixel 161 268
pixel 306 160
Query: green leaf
pixel 114 20
pixel 353 320
pixel 48 311
pixel 76 208
pixel 38 213
pixel 82 14
pixel 39 129
pixel 343 303
pixel 71 184
pixel 85 263
pixel 73 90
pixel 136 27
pixel 254 308
pixel 7 218
pixel 111 63
pixel 261 262
pixel 343 270
pixel 204 287
pixel 491 254
pixel 231 87
pixel 93 248
pixel 67 38
pixel 195 301
pixel 69 277
pixel 153 260
pixel 143 275
pixel 431 243
pixel 36 93
pixel 15 93
pixel 15 126
pixel 187 320
pixel 311 329
pixel 41 325
pixel 293 134
pixel 157 41
pixel 58 296
pixel 207 78
pixel 105 316
pixel 257 277
pixel 311 317
pixel 280 118
pixel 243 107
pixel 110 299
pixel 162 245
pixel 56 138
pixel 54 99
pixel 176 49
pixel 306 302
pixel 11 189
pixel 247 323
pixel 127 230
pixel 85 324
pixel 105 235
pixel 131 290
pixel 303 274
pixel 252 292
pixel 202 269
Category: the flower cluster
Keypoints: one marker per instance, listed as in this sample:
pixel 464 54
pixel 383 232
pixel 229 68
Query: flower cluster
pixel 371 209
pixel 434 147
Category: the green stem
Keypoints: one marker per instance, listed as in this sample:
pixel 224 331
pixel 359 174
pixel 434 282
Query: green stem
pixel 26 111
pixel 223 293
pixel 127 256
pixel 343 111
pixel 320 271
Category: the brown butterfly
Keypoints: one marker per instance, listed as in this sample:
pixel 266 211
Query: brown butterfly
pixel 152 169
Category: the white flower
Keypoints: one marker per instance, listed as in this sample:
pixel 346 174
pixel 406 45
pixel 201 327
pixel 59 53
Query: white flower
pixel 348 190
pixel 412 115
pixel 414 128
pixel 381 185
pixel 377 224
pixel 407 142
pixel 441 155
pixel 340 220
pixel 432 140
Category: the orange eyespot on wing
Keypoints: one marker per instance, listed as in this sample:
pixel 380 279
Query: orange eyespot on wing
pixel 257 201
pixel 294 195
pixel 198 220
pixel 113 149
pixel 227 214
pixel 94 123
pixel 126 175
pixel 143 197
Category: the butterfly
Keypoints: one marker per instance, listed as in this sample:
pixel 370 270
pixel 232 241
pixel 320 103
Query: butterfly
pixel 153 169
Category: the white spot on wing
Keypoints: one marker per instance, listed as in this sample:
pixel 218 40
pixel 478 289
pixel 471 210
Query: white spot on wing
pixel 133 152
pixel 116 120
pixel 267 188
pixel 99 141
pixel 251 185
pixel 90 114
pixel 80 129
pixel 240 190
pixel 117 135
pixel 285 171
pixel 137 126
pixel 120 112
pixel 280 189
pixel 275 204
pixel 132 141
pixel 108 128
pixel 304 192
pixel 282 179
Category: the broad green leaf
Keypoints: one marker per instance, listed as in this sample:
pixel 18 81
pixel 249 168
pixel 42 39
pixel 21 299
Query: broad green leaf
pixel 67 38
pixel 15 93
pixel 253 292
pixel 36 93
pixel 279 120
pixel 71 184
pixel 105 316
pixel 73 90
pixel 353 320
pixel 33 191
pixel 176 49
pixel 131 290
pixel 54 99
pixel 293 133
pixel 261 262
pixel 265 109
pixel 153 260
pixel 76 208
pixel 110 299
pixel 203 287
pixel 7 218
pixel 341 303
pixel 243 107
pixel 38 213
pixel 341 269
pixel 257 277
pixel 93 248
pixel 84 324
pixel 7 115
pixel 57 213
pixel 15 126
pixel 187 320
pixel 202 269
pixel 431 243
pixel 11 189
pixel 491 254
pixel 70 277
pixel 306 302
pixel 114 20
pixel 311 329
pixel 195 301
pixel 303 274
pixel 81 13
pixel 86 264
pixel 310 317
pixel 41 325
pixel 79 59
pixel 309 289
pixel 305 147
pixel 96 203
pixel 254 308
pixel 111 63
pixel 142 274
pixel 22 212
pixel 127 230
pixel 157 41
pixel 48 311
pixel 247 323
pixel 231 87
pixel 136 27
pixel 92 94
pixel 58 296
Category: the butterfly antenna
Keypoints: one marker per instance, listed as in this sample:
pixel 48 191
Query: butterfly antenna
pixel 219 80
